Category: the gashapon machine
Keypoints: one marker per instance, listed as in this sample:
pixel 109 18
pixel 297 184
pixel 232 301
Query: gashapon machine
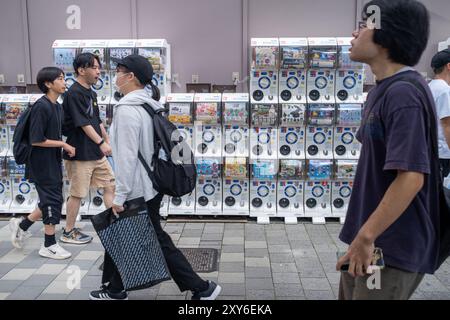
pixel 180 109
pixel 207 126
pixel 322 72
pixel 236 187
pixel 118 49
pixel 164 207
pixel 4 139
pixel 349 76
pixel 345 171
pixel 64 53
pixel 97 203
pixel 157 51
pixel 264 131
pixel 103 86
pixel 235 109
pixel 319 132
pixel 5 180
pixel 25 197
pixel 348 121
pixel 294 62
pixel 290 190
pixel 292 131
pixel 264 70
pixel 209 186
pixel 318 190
pixel 263 190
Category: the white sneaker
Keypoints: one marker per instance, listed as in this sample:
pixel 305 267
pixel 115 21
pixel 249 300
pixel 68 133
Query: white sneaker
pixel 18 236
pixel 54 252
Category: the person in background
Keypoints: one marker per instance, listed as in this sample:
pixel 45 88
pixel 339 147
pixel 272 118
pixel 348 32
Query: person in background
pixel 440 87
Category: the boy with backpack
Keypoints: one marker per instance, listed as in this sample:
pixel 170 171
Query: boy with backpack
pixel 133 132
pixel 42 134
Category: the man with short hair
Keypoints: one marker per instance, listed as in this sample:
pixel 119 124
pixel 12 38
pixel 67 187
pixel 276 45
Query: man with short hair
pixel 440 87
pixel 395 201
pixel 85 131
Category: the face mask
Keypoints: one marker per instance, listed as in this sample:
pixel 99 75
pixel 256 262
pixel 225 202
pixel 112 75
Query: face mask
pixel 116 86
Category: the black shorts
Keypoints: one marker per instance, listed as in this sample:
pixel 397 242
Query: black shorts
pixel 50 202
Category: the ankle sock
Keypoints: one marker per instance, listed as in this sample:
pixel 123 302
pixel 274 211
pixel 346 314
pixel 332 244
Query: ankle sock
pixel 25 224
pixel 49 240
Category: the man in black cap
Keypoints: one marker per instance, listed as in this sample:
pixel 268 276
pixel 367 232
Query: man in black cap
pixel 132 131
pixel 440 87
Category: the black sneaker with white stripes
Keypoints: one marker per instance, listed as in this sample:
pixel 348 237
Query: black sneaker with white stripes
pixel 105 294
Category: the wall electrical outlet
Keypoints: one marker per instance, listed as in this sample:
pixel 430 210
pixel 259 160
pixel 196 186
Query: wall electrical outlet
pixel 235 77
pixel 21 78
pixel 2 78
pixel 195 78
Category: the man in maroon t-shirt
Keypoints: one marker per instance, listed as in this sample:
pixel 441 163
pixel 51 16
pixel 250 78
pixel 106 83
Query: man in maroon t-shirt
pixel 394 205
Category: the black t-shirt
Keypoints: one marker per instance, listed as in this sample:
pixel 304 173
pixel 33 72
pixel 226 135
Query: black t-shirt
pixel 45 124
pixel 81 109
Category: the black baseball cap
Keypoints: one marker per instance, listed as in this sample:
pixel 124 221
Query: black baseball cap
pixel 139 65
pixel 440 59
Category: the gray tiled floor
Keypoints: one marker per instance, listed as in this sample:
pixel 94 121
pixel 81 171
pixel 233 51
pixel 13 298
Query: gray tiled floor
pixel 275 261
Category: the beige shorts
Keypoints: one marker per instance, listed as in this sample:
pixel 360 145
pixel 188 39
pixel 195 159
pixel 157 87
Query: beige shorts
pixel 88 174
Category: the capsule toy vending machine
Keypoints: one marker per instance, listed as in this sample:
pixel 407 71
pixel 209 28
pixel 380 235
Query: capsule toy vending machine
pixel 119 49
pixel 236 131
pixel 264 131
pixel 157 51
pixel 4 139
pixel 207 126
pixel 96 203
pixel 345 172
pixel 318 190
pixel 209 186
pixel 181 113
pixel 264 70
pixel 263 190
pixel 348 121
pixel 5 180
pixel 290 190
pixel 64 53
pixel 103 86
pixel 25 197
pixel 292 131
pixel 236 186
pixel 349 75
pixel 319 132
pixel 293 66
pixel 322 71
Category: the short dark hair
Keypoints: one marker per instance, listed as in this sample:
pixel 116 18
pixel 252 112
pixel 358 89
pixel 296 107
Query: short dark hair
pixel 47 74
pixel 439 70
pixel 405 29
pixel 85 60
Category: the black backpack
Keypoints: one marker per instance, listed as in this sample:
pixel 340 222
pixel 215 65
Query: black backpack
pixel 174 177
pixel 21 138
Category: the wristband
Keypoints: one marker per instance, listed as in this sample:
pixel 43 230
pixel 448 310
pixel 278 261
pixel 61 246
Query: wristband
pixel 101 142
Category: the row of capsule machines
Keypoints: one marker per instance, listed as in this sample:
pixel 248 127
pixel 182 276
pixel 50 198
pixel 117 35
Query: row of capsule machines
pixel 157 51
pixel 266 160
pixel 17 195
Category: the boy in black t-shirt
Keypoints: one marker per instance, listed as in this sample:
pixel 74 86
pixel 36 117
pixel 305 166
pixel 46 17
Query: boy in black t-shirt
pixel 85 131
pixel 44 166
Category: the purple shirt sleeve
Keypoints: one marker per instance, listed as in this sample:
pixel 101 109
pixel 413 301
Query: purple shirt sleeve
pixel 406 132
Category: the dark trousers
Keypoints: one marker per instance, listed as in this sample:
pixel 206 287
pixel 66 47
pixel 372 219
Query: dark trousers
pixel 445 167
pixel 180 269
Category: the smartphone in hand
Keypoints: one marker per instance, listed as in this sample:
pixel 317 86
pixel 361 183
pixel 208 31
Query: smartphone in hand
pixel 376 264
